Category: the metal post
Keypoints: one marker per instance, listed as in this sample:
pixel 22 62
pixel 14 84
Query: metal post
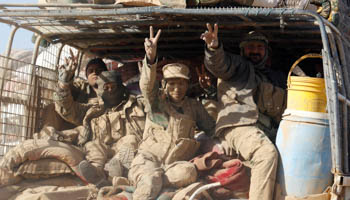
pixel 3 72
pixel 81 55
pixel 6 59
pixel 58 57
pixel 31 100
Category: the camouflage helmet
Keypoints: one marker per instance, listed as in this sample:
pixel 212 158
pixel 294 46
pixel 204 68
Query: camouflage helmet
pixel 176 70
pixel 253 36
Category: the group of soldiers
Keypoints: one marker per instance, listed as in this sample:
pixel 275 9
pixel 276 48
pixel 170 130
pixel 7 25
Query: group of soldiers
pixel 146 138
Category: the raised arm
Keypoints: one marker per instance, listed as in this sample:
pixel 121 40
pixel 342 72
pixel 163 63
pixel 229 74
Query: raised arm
pixel 67 70
pixel 151 45
pixel 210 36
pixel 148 85
pixel 69 109
pixel 222 65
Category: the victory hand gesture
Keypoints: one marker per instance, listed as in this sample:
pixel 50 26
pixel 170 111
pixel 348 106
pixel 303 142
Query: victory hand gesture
pixel 151 45
pixel 211 36
pixel 204 78
pixel 67 70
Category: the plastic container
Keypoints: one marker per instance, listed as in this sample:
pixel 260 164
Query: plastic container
pixel 303 142
pixel 306 93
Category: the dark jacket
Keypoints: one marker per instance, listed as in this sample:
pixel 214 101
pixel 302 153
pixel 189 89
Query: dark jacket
pixel 240 87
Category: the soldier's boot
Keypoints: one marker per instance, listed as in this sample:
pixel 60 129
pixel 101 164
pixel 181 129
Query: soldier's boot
pixel 324 7
pixel 91 174
pixel 149 186
pixel 114 168
pixel 120 164
pixel 125 156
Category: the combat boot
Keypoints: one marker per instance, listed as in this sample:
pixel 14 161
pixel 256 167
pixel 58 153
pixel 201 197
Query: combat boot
pixel 125 156
pixel 90 174
pixel 114 168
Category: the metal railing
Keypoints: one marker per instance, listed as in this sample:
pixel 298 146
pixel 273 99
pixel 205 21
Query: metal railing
pixel 24 94
pixel 335 52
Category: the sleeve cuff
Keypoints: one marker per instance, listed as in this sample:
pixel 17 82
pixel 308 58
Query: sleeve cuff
pixel 213 49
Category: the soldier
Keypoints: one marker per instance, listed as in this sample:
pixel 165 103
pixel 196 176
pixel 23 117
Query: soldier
pixel 168 141
pixel 85 91
pixel 111 129
pixel 250 103
pixel 131 76
pixel 82 91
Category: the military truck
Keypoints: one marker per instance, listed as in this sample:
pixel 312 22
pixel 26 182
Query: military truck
pixel 117 33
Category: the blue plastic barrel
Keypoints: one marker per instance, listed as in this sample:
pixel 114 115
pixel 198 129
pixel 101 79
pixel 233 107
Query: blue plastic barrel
pixel 303 142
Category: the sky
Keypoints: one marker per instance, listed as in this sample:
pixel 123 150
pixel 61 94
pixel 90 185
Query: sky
pixel 22 37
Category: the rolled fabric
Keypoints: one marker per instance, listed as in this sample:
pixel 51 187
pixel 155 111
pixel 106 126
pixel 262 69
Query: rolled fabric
pixel 35 149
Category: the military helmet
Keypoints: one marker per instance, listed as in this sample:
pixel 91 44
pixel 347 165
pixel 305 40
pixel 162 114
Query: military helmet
pixel 253 36
pixel 176 70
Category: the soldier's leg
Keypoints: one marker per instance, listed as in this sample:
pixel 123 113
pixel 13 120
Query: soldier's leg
pixel 96 153
pixel 67 136
pixel 179 174
pixel 53 119
pixel 93 167
pixel 146 175
pixel 254 146
pixel 123 152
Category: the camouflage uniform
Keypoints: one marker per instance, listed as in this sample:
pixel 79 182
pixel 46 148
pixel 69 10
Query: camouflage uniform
pixel 104 131
pixel 168 140
pixel 82 92
pixel 249 101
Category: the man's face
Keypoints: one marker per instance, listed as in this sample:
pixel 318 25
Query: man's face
pixel 92 72
pixel 110 93
pixel 176 88
pixel 109 87
pixel 254 51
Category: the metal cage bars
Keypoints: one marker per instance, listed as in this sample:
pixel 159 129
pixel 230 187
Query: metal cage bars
pixel 334 59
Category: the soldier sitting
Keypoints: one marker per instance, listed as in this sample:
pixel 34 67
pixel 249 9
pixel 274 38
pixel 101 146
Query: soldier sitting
pixel 82 91
pixel 168 141
pixel 251 103
pixel 109 129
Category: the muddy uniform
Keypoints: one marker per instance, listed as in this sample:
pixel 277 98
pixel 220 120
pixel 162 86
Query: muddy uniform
pixel 82 92
pixel 103 132
pixel 249 101
pixel 168 140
